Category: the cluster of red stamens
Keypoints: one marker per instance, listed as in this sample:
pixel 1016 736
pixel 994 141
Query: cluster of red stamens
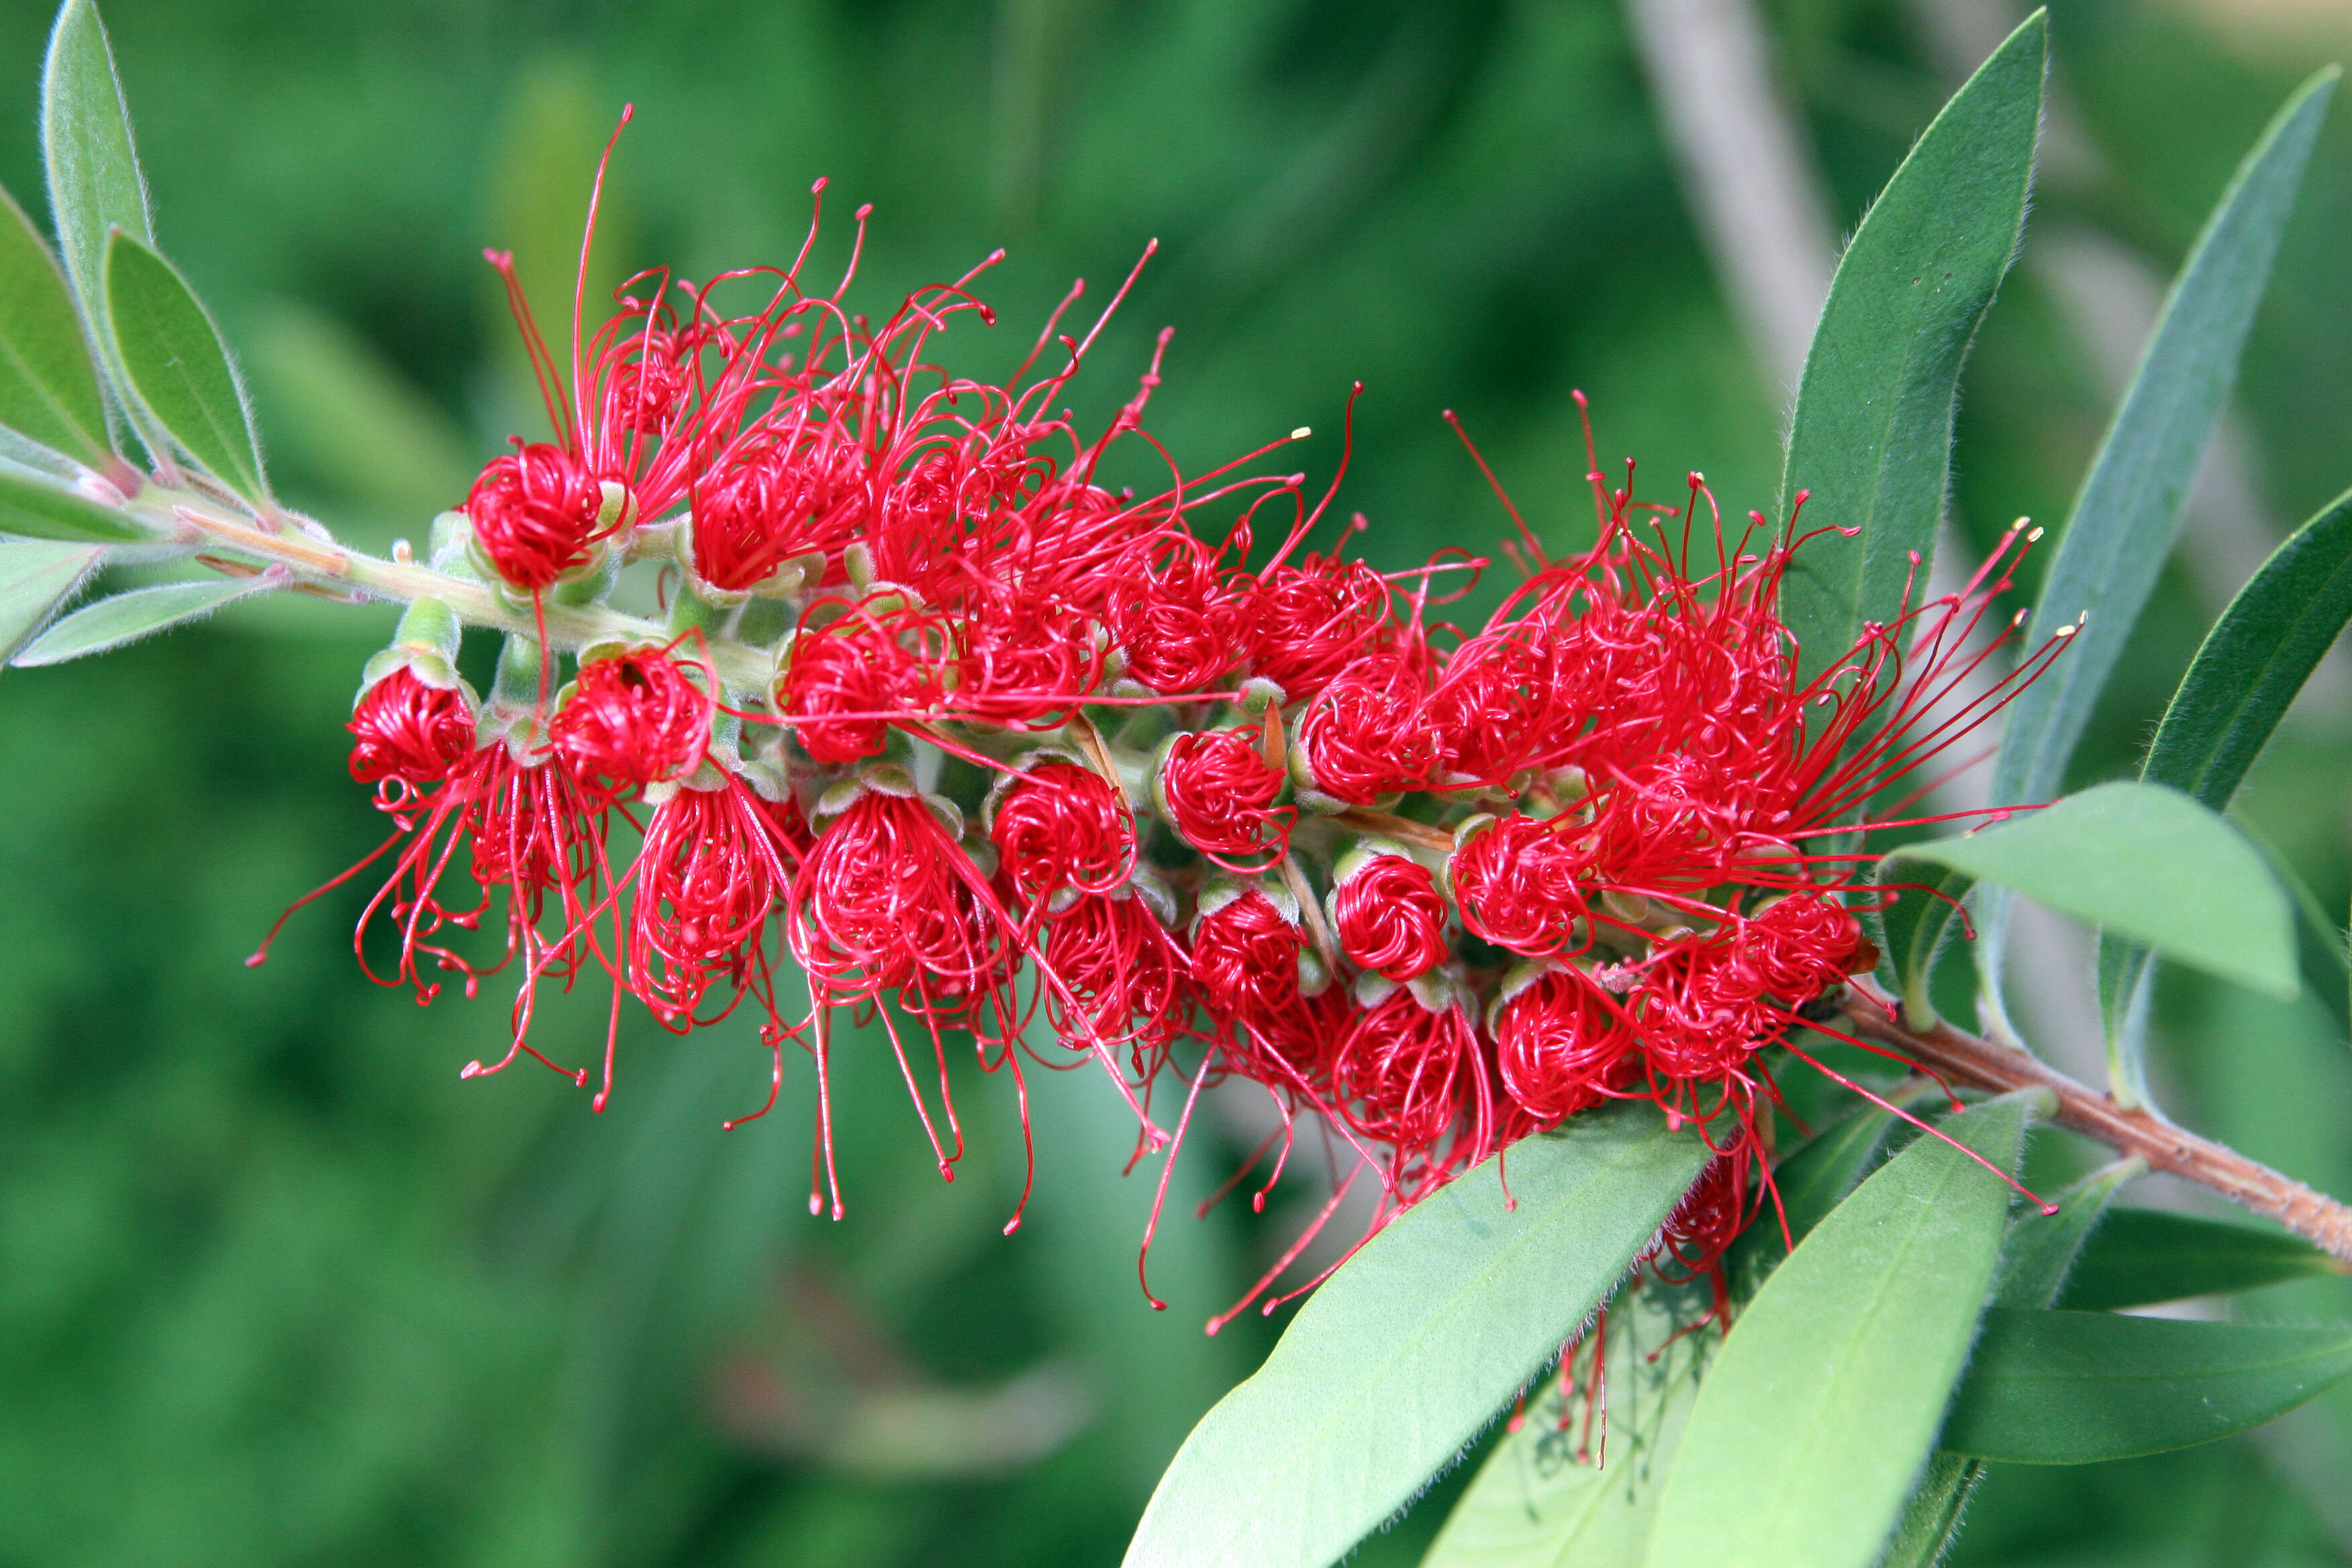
pixel 1021 752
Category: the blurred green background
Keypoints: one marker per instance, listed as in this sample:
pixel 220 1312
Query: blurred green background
pixel 277 1288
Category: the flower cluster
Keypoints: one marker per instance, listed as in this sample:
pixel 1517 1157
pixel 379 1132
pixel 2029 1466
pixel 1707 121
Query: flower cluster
pixel 981 745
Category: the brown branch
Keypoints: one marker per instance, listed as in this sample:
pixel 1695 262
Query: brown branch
pixel 1984 1064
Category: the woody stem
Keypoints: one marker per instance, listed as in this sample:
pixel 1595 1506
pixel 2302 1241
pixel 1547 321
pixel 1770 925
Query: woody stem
pixel 1985 1064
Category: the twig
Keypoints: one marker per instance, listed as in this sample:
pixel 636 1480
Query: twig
pixel 1984 1064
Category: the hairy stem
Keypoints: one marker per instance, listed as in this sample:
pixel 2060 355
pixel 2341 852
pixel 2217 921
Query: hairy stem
pixel 1985 1064
pixel 322 562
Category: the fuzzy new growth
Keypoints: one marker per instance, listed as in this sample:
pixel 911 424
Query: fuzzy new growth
pixel 1037 756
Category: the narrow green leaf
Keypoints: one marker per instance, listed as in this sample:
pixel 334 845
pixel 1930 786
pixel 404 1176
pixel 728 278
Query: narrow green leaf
pixel 1811 1181
pixel 1914 928
pixel 49 387
pixel 177 366
pixel 2080 1388
pixel 2145 1256
pixel 126 617
pixel 1405 1353
pixel 2127 512
pixel 1872 436
pixel 1563 1493
pixel 35 579
pixel 1822 1405
pixel 2035 1259
pixel 33 509
pixel 2146 862
pixel 2255 659
pixel 95 186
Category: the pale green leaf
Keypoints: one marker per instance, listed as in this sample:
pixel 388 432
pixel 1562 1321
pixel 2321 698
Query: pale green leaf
pixel 36 577
pixel 2080 1388
pixel 1574 1487
pixel 2148 863
pixel 1406 1352
pixel 1872 436
pixel 2253 663
pixel 32 509
pixel 95 186
pixel 177 366
pixel 1825 1401
pixel 2145 1256
pixel 126 617
pixel 49 387
pixel 2126 516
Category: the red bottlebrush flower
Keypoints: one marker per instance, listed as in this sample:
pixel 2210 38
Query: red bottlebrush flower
pixel 1705 1224
pixel 713 866
pixel 1499 702
pixel 648 379
pixel 1388 915
pixel 1217 790
pixel 1173 614
pixel 407 735
pixel 1411 1075
pixel 1307 623
pixel 1522 883
pixel 847 680
pixel 1123 975
pixel 1246 955
pixel 633 719
pixel 884 901
pixel 1702 1013
pixel 1802 945
pixel 1559 1047
pixel 1027 659
pixel 537 514
pixel 1367 735
pixel 771 500
pixel 1061 827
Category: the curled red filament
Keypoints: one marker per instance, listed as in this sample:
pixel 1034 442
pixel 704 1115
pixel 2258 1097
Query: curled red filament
pixel 1307 623
pixel 407 734
pixel 633 719
pixel 1560 1048
pixel 1520 884
pixel 1220 795
pixel 711 868
pixel 1060 825
pixel 535 513
pixel 1245 959
pixel 1368 734
pixel 1390 918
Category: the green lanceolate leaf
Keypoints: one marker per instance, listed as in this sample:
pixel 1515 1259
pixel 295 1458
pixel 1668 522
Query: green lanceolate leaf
pixel 177 366
pixel 2144 1255
pixel 36 577
pixel 2079 1388
pixel 2146 863
pixel 2034 1261
pixel 2255 659
pixel 32 510
pixel 2127 512
pixel 127 617
pixel 1824 1402
pixel 1813 1180
pixel 1569 1490
pixel 49 387
pixel 1915 927
pixel 1871 439
pixel 1399 1360
pixel 95 186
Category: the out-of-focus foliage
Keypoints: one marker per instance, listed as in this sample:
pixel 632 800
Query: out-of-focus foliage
pixel 276 1288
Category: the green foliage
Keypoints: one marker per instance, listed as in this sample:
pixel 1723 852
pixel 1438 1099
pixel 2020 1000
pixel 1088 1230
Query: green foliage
pixel 1405 1353
pixel 95 184
pixel 2145 1256
pixel 177 367
pixel 1568 1489
pixel 2078 1388
pixel 125 618
pixel 48 388
pixel 2254 661
pixel 2144 862
pixel 1872 436
pixel 2127 512
pixel 33 509
pixel 1825 1400
pixel 36 577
